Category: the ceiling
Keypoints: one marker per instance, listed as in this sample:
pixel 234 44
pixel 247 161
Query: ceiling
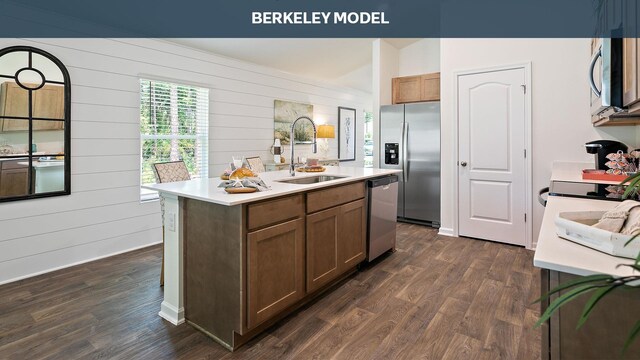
pixel 322 59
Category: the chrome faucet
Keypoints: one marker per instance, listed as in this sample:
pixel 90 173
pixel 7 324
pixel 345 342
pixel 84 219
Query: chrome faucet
pixel 314 146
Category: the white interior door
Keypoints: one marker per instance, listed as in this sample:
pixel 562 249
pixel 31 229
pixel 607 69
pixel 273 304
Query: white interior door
pixel 491 166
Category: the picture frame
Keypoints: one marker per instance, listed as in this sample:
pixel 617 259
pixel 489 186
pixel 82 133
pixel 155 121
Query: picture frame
pixel 346 133
pixel 255 164
pixel 284 114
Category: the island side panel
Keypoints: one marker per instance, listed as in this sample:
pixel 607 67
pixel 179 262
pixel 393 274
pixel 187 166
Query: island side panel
pixel 213 236
pixel 604 333
pixel 172 307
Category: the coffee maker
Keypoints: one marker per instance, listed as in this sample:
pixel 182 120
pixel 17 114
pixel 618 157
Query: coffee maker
pixel 602 148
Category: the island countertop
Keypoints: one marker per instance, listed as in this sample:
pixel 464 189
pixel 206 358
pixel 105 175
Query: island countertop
pixel 556 253
pixel 208 190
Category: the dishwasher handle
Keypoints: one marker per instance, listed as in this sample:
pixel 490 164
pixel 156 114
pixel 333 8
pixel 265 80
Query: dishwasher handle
pixel 382 181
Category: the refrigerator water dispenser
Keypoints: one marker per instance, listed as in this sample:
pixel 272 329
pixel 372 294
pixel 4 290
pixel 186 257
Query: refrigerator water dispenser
pixel 391 156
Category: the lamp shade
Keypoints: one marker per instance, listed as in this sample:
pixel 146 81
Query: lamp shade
pixel 326 132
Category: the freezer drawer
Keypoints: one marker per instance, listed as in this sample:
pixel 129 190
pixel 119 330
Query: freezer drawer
pixel 383 205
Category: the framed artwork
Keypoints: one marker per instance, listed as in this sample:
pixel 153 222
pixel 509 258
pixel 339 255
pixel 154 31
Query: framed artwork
pixel 284 114
pixel 346 134
pixel 255 164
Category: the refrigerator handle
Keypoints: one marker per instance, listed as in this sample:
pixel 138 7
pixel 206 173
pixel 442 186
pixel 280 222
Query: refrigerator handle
pixel 405 152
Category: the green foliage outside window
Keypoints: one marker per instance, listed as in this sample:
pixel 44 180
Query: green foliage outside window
pixel 173 126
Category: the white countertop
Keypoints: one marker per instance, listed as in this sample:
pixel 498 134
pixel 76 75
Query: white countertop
pixel 555 253
pixel 44 164
pixel 572 171
pixel 208 190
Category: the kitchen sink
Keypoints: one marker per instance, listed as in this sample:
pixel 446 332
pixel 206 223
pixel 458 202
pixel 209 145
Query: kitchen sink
pixel 311 179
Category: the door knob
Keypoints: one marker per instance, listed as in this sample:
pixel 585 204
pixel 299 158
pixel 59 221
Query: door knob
pixel 463 164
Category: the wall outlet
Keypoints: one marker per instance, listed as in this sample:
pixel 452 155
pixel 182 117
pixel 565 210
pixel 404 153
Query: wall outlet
pixel 171 221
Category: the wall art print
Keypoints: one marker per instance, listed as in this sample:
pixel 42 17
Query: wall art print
pixel 284 114
pixel 346 134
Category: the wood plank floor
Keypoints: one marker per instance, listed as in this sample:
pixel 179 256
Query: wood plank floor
pixel 435 298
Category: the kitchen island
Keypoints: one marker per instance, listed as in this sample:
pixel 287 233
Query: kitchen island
pixel 561 261
pixel 237 263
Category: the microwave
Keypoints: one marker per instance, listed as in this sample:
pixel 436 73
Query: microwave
pixel 605 77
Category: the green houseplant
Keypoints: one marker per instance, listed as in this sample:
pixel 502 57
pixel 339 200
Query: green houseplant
pixel 599 285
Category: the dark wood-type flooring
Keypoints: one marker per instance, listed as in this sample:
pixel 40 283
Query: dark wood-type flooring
pixel 435 298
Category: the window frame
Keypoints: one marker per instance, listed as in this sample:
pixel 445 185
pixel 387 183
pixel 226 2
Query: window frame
pixel 203 160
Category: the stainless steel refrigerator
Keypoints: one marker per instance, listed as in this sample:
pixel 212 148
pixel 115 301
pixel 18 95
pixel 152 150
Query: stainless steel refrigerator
pixel 410 141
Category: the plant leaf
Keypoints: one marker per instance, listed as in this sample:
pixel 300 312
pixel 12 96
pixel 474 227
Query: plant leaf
pixel 561 300
pixel 630 178
pixel 632 238
pixel 632 187
pixel 632 335
pixel 578 281
pixel 590 305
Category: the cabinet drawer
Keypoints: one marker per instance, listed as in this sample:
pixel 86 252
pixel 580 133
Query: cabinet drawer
pixel 274 211
pixel 14 164
pixel 324 199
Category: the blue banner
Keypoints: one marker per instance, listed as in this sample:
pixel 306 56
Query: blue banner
pixel 319 18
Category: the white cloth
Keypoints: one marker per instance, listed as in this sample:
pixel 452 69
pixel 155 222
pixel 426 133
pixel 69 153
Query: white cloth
pixel 615 219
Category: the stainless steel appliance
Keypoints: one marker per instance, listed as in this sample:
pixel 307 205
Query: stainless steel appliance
pixel 410 141
pixel 605 77
pixel 383 204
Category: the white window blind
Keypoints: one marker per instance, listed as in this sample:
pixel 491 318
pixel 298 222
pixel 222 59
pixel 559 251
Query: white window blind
pixel 174 125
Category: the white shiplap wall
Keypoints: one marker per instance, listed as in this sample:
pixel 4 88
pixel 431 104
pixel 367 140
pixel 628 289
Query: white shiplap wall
pixel 103 215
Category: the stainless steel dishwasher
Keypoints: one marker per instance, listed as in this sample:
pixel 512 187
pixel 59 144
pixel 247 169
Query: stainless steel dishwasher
pixel 383 213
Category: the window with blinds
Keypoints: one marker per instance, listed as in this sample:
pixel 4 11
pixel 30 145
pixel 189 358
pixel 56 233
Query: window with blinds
pixel 174 125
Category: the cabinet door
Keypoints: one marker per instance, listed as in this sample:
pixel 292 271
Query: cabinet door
pixel 604 333
pixel 430 87
pixel 14 182
pixel 352 234
pixel 406 89
pixel 275 270
pixel 48 103
pixel 629 71
pixel 14 101
pixel 322 248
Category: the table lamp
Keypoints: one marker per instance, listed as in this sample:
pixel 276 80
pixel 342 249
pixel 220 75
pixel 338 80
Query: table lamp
pixel 325 132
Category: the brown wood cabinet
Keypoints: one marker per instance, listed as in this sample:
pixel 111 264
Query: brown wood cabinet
pixel 272 212
pixel 335 242
pixel 14 178
pixel 604 333
pixel 275 270
pixel 249 265
pixel 322 247
pixel 48 102
pixel 408 89
pixel 352 234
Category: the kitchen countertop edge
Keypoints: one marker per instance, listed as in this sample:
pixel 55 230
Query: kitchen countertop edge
pixel 555 253
pixel 207 189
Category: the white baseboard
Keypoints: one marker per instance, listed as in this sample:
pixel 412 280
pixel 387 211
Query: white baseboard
pixel 446 232
pixel 171 313
pixel 77 263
